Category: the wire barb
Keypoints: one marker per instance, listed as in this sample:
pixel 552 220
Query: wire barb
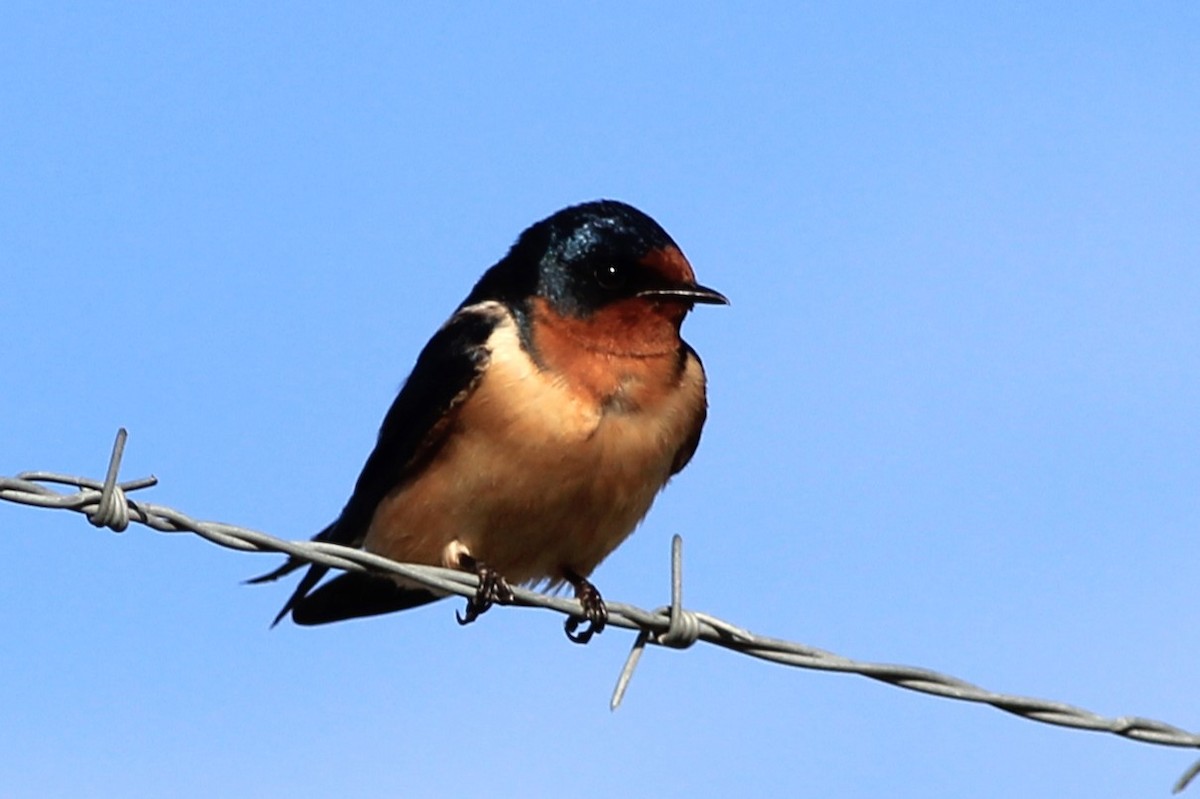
pixel 113 510
pixel 671 626
pixel 683 626
pixel 1184 781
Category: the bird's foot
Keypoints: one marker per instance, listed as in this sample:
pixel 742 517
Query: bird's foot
pixel 493 589
pixel 595 613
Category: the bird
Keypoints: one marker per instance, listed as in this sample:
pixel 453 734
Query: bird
pixel 536 428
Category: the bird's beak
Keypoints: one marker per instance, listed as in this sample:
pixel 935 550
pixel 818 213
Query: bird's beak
pixel 686 292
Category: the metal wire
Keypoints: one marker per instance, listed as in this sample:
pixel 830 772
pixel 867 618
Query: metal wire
pixel 106 505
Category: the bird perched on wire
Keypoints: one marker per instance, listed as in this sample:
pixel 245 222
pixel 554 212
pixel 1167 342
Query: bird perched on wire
pixel 536 428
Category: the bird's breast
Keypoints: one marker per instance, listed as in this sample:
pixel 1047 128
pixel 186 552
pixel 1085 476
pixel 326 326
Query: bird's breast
pixel 546 469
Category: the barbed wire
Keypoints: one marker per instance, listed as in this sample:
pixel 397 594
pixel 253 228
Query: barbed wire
pixel 106 505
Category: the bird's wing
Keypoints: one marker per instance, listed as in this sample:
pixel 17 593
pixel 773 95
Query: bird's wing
pixel 447 371
pixel 684 454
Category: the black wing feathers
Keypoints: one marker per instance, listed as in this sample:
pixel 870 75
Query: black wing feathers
pixel 446 371
pixel 357 594
pixel 685 453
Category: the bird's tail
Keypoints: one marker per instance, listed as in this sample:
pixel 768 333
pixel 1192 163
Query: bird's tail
pixel 315 572
pixel 347 596
pixel 355 594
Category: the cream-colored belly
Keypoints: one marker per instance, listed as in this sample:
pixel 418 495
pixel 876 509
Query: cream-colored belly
pixel 537 478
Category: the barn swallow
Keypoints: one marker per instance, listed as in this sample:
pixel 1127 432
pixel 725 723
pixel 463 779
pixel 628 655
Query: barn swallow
pixel 536 428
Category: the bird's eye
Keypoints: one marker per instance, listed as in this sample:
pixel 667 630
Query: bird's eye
pixel 610 276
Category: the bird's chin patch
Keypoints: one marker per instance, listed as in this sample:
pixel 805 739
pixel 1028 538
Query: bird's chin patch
pixel 672 310
pixel 635 327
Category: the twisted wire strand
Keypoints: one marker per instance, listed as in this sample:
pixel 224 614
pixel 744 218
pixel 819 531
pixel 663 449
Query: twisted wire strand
pixel 106 504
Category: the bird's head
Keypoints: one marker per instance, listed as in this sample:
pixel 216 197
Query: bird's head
pixel 603 268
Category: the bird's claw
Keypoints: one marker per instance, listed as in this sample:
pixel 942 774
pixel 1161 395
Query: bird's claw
pixel 493 590
pixel 595 613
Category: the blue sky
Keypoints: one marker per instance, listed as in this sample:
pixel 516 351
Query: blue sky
pixel 955 405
